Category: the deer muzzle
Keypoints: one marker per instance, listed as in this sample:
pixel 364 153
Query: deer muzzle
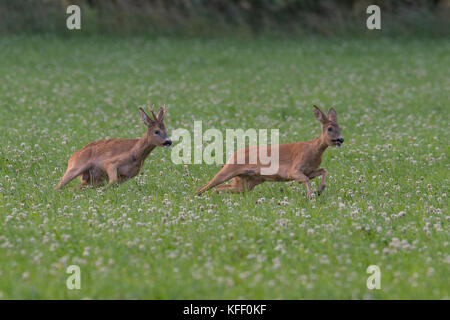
pixel 337 142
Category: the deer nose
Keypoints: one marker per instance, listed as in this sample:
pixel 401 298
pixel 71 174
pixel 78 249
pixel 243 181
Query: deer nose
pixel 341 140
pixel 167 143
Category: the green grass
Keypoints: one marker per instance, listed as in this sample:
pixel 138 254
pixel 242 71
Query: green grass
pixel 153 238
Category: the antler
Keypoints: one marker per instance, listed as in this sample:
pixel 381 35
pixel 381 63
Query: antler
pixel 151 110
pixel 161 113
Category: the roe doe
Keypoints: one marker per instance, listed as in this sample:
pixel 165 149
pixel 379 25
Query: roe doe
pixel 116 159
pixel 297 161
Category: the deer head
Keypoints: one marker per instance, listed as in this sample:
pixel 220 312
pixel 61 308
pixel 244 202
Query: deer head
pixel 156 130
pixel 331 132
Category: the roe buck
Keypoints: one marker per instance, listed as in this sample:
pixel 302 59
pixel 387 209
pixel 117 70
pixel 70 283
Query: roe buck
pixel 297 161
pixel 116 159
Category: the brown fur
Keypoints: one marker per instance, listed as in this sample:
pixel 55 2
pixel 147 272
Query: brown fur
pixel 297 161
pixel 116 159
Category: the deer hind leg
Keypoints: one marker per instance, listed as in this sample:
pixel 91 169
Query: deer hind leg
pixel 252 183
pixel 247 183
pixel 225 174
pixel 224 188
pixel 94 176
pixel 71 173
pixel 235 186
pixel 240 184
pixel 86 179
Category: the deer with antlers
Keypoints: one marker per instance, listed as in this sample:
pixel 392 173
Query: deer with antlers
pixel 116 159
pixel 296 161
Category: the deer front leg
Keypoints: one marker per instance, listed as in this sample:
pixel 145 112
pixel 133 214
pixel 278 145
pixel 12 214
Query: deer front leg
pixel 300 177
pixel 113 178
pixel 323 173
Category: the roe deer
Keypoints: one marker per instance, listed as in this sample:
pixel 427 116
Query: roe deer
pixel 297 161
pixel 116 159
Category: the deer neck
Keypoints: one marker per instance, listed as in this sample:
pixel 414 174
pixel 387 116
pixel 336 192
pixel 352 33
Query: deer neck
pixel 143 147
pixel 319 145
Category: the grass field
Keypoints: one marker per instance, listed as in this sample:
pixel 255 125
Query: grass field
pixel 385 204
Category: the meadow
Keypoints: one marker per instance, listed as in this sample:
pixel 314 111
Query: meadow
pixel 152 238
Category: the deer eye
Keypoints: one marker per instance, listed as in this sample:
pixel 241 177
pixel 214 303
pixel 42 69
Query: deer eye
pixel 157 132
pixel 330 129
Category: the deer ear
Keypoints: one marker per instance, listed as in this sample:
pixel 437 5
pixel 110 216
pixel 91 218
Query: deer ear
pixel 144 117
pixel 332 115
pixel 161 114
pixel 319 115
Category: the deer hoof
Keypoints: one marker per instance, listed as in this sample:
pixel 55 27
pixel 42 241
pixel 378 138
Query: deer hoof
pixel 319 192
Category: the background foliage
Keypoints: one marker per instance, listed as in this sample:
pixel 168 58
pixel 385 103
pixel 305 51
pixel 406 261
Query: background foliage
pixel 219 17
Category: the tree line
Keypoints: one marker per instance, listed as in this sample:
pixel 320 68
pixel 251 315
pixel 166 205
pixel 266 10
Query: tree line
pixel 207 17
